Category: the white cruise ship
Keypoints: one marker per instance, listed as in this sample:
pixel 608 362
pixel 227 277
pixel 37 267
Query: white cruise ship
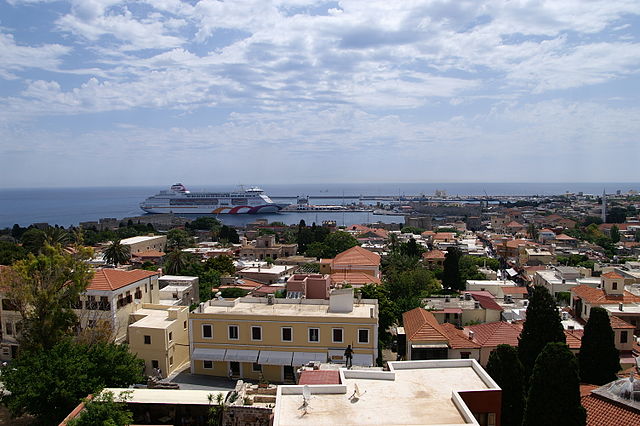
pixel 181 201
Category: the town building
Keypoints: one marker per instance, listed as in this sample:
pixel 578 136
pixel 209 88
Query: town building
pixel 265 247
pixel 157 243
pixel 355 259
pixel 614 404
pixel 266 273
pixel 309 286
pixel 179 290
pixel 470 307
pixel 270 337
pixel 435 392
pixel 158 335
pixel 561 279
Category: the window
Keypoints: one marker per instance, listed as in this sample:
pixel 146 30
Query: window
pixel 8 306
pixel 170 336
pixel 184 325
pixel 465 355
pixel 314 335
pixel 287 334
pixel 147 340
pixel 614 286
pixel 9 327
pixel 624 336
pixel 146 288
pixel 207 331
pixel 104 304
pixel 91 303
pixel 138 293
pixel 154 363
pixel 337 335
pixel 233 332
pixel 170 361
pixel 256 333
pixel 257 368
pixel 207 364
pixel 363 335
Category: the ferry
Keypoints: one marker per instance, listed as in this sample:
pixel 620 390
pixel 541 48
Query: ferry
pixel 179 200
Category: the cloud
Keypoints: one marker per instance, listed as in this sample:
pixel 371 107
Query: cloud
pixel 15 57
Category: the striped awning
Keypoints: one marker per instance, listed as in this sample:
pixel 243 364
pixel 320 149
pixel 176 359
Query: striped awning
pixel 241 355
pixel 275 358
pixel 302 358
pixel 208 354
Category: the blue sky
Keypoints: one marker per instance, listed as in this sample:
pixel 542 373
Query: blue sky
pixel 108 92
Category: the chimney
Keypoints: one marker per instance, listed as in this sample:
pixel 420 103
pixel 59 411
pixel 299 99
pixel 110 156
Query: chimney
pixel 471 334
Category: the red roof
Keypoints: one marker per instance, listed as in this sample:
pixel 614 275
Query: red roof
pixel 357 256
pixel 113 279
pixel 597 296
pixel 565 237
pixel 574 338
pixel 603 412
pixel 319 377
pixel 421 325
pixel 434 254
pixel 486 302
pixel 613 275
pixel 149 253
pixel 619 323
pixel 457 338
pixel 495 333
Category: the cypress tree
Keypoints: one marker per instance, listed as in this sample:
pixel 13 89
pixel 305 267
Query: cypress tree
pixel 599 358
pixel 554 396
pixel 507 371
pixel 451 274
pixel 542 326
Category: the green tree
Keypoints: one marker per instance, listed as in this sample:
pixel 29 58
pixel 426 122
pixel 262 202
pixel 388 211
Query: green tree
pixel 205 223
pixel 542 326
pixel 411 230
pixel 616 215
pixel 233 292
pixel 117 253
pixel 54 236
pixel 507 371
pixel 49 383
pixel 318 250
pixel 554 395
pixel 177 239
pixel 223 264
pixel 229 233
pixel 387 312
pixel 44 288
pixel 451 274
pixel 532 230
pixel 338 242
pixel 599 359
pixel 32 240
pixel 411 248
pixel 10 252
pixel 104 410
pixel 177 261
pixel 615 234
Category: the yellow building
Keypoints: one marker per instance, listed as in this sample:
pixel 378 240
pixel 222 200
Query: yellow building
pixel 268 337
pixel 158 335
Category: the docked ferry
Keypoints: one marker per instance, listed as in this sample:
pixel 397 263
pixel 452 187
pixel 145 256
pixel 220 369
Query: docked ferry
pixel 181 201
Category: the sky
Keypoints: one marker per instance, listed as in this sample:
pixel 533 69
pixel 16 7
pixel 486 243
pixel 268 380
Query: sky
pixel 152 92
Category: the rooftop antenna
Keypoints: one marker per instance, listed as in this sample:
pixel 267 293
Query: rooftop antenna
pixel 356 395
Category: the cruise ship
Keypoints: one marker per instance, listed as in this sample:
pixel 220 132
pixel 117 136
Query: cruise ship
pixel 181 201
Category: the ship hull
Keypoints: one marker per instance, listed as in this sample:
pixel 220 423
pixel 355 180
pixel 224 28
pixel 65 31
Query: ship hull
pixel 266 208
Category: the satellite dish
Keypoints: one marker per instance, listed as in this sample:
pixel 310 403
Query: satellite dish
pixel 218 294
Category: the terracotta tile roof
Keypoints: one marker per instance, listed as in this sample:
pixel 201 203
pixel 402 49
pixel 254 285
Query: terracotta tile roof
pixel 457 338
pixel 585 389
pixel 319 377
pixel 428 234
pixel 434 254
pixel 514 224
pixel 619 323
pixel 487 302
pixel 358 278
pixel 519 242
pixel 444 236
pixel 564 237
pixel 603 412
pixel 113 279
pixel 574 338
pixel 597 296
pixel 495 333
pixel 613 275
pixel 421 325
pixel 357 256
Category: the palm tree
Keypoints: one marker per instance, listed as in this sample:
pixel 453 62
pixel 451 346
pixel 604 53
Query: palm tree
pixel 176 261
pixel 117 253
pixel 54 236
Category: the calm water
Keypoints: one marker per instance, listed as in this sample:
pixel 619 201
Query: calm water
pixel 70 206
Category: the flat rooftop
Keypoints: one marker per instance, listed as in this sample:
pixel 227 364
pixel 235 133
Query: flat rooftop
pixel 165 396
pixel 153 318
pixel 412 393
pixel 285 308
pixel 134 240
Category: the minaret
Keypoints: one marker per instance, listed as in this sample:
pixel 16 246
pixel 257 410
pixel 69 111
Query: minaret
pixel 604 206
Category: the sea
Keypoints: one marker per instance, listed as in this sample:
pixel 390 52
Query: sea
pixel 70 206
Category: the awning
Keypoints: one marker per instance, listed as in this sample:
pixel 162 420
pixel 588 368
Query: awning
pixel 207 354
pixel 302 358
pixel 363 360
pixel 275 358
pixel 240 355
pixel 431 346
